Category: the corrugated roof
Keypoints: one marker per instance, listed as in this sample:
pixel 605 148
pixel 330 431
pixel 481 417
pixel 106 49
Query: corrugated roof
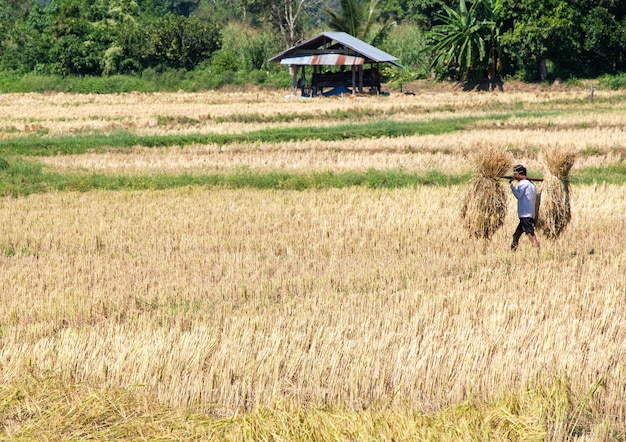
pixel 337 42
pixel 324 59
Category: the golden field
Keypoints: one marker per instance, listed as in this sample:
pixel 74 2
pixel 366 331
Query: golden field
pixel 587 126
pixel 374 304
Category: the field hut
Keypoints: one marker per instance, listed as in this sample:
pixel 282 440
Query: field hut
pixel 339 62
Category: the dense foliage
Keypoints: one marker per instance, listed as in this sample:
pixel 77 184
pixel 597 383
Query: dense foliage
pixel 213 42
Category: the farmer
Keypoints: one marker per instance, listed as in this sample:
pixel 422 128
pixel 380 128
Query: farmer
pixel 526 194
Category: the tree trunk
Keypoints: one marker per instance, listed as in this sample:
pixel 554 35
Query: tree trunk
pixel 543 69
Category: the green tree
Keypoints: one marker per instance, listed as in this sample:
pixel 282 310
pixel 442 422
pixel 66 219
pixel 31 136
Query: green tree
pixel 423 13
pixel 159 8
pixel 251 12
pixel 25 44
pixel 179 42
pixel 77 43
pixel 360 20
pixel 249 48
pixel 603 27
pixel 406 42
pixel 120 20
pixel 542 30
pixel 94 37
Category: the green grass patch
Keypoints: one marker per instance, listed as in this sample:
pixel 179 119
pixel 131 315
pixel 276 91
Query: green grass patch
pixel 44 146
pixel 338 115
pixel 25 178
pixel 163 120
pixel 614 174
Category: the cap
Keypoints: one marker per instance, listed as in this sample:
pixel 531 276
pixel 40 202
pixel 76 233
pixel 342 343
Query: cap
pixel 518 168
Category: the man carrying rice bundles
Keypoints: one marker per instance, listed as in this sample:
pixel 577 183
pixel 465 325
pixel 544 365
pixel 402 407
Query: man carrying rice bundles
pixel 526 194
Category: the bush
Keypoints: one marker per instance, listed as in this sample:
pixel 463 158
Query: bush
pixel 30 83
pixel 201 79
pixel 613 81
pixel 223 61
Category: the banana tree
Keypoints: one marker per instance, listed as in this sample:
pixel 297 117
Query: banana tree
pixel 466 40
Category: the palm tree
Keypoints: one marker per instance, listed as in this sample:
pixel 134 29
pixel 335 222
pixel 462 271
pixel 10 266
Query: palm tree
pixel 359 20
pixel 466 40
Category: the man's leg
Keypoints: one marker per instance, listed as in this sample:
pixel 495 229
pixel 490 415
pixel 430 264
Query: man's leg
pixel 533 240
pixel 530 232
pixel 516 236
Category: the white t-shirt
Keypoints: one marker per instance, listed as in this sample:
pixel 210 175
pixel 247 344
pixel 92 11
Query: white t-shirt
pixel 526 194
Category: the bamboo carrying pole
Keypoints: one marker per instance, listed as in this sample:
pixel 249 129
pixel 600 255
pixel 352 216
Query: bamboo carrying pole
pixel 528 178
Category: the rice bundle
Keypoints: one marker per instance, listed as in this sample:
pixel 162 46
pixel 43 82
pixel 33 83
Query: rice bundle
pixel 554 212
pixel 484 207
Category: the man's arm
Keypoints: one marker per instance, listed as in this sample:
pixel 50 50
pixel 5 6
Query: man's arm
pixel 519 190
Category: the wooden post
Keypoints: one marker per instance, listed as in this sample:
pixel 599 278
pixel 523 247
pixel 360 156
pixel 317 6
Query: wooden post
pixel 293 71
pixel 361 78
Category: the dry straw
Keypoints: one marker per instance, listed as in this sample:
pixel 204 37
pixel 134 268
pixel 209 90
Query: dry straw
pixel 554 212
pixel 484 207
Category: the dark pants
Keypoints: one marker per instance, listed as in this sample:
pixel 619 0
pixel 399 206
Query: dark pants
pixel 526 225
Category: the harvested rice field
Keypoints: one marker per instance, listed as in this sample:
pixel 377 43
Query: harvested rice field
pixel 212 311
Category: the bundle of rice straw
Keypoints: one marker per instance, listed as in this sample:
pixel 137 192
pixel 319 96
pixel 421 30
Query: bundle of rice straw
pixel 554 212
pixel 485 205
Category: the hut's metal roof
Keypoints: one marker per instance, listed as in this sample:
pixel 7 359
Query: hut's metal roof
pixel 324 59
pixel 334 43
